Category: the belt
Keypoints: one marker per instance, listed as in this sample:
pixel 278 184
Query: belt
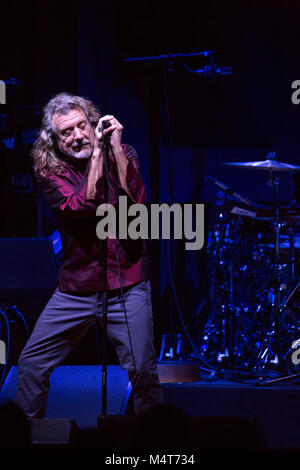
pixel 117 292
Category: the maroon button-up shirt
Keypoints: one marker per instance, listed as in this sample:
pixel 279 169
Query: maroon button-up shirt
pixel 82 268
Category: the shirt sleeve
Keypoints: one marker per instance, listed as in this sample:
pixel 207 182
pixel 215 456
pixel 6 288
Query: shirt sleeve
pixel 67 197
pixel 133 177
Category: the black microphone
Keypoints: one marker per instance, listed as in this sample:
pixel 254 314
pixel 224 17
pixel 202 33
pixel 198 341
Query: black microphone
pixel 105 125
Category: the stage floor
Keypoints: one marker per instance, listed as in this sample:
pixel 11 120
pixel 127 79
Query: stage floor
pixel 75 393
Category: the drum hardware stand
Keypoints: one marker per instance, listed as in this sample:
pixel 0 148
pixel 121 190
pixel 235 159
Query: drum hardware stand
pixel 287 301
pixel 275 316
pixel 273 335
pixel 291 376
pixel 223 330
pixel 292 253
pixel 218 237
pixel 229 314
pixel 277 361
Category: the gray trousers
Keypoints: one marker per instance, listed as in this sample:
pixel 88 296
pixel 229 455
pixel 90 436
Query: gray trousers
pixel 61 325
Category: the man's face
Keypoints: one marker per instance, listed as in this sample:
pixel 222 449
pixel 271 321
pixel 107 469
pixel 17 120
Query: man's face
pixel 75 135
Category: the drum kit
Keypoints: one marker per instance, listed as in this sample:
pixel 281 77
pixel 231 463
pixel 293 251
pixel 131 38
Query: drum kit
pixel 253 321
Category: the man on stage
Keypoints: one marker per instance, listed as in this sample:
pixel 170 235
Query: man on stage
pixel 68 162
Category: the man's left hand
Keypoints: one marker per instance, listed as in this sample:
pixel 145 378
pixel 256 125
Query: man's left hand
pixel 114 131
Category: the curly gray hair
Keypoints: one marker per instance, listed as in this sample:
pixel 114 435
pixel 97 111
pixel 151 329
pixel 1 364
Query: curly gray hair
pixel 44 150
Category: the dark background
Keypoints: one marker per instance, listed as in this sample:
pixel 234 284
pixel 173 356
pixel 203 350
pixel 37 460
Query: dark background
pixel 80 47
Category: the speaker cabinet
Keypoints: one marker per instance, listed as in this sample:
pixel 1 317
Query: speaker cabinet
pixel 53 433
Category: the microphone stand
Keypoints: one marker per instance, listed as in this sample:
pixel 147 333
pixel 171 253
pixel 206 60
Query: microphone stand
pixel 104 295
pixel 103 417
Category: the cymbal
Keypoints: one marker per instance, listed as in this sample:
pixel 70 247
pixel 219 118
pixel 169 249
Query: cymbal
pixel 272 165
